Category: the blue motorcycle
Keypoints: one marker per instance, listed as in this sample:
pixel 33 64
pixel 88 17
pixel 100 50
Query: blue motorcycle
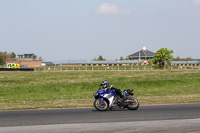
pixel 109 99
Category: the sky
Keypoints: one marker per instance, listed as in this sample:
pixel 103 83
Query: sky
pixel 84 29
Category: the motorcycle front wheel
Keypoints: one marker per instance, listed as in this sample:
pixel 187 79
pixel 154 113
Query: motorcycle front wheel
pixel 134 105
pixel 100 105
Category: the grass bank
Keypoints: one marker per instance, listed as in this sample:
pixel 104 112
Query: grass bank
pixel 34 90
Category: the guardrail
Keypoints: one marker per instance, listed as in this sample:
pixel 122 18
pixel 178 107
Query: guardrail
pixel 17 69
pixel 115 68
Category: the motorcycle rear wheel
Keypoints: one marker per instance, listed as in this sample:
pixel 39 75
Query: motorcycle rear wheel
pixel 134 105
pixel 100 105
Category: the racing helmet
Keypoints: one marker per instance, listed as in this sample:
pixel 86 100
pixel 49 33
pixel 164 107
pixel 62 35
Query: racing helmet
pixel 104 84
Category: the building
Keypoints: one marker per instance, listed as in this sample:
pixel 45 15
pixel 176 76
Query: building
pixel 102 63
pixel 185 63
pixel 26 56
pixel 48 64
pixel 143 55
pixel 24 60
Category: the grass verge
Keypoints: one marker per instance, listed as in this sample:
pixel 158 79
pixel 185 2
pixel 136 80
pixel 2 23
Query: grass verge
pixel 69 89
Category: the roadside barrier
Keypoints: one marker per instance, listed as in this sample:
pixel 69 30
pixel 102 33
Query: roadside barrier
pixel 17 69
pixel 117 68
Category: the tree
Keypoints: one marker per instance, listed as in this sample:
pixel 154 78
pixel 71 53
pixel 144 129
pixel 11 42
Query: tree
pixel 34 56
pixel 177 58
pixel 1 59
pixel 121 58
pixel 189 59
pixel 12 55
pixel 40 58
pixel 101 58
pixel 4 56
pixel 127 58
pixel 185 59
pixel 150 62
pixel 163 55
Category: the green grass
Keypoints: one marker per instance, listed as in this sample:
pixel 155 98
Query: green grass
pixel 33 90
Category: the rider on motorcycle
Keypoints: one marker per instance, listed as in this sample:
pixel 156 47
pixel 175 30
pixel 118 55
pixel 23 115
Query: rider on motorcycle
pixel 105 85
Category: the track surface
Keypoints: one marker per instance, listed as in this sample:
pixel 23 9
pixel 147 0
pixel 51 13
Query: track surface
pixel 185 113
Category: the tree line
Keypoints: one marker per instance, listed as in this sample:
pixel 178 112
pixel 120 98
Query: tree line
pixel 185 59
pixel 4 56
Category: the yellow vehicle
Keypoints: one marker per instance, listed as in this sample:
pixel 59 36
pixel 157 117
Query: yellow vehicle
pixel 13 65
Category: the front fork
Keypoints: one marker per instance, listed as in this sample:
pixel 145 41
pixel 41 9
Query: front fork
pixel 101 99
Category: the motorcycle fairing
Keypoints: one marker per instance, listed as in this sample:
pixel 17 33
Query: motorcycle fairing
pixel 109 95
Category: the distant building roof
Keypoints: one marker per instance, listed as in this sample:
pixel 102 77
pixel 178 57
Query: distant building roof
pixel 142 53
pixel 48 63
pixel 27 54
pixel 104 62
pixel 185 62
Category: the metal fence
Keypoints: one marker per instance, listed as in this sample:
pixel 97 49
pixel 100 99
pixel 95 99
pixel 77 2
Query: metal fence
pixel 116 68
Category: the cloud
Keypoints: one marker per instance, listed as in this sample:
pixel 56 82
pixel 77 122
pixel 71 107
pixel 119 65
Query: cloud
pixel 196 2
pixel 111 9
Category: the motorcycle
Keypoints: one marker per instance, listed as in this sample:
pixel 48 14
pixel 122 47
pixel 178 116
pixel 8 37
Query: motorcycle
pixel 109 99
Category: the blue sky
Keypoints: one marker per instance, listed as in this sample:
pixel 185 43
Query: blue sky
pixel 84 29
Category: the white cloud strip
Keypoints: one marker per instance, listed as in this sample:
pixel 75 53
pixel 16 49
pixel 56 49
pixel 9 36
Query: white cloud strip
pixel 111 9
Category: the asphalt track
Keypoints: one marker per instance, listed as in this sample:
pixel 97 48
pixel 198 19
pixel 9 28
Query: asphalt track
pixel 153 118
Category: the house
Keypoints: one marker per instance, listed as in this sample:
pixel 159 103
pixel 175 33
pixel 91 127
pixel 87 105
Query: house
pixel 25 60
pixel 143 55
